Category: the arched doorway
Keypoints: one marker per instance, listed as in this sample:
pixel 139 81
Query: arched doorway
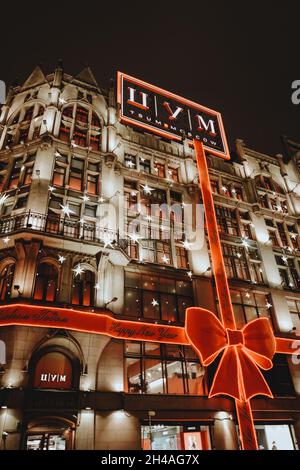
pixel 50 433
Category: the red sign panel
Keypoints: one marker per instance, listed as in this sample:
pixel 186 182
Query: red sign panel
pixel 169 115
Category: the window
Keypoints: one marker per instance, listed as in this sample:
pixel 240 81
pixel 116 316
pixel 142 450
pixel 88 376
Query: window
pixel 279 377
pixel 28 114
pixel 27 175
pixel 82 115
pixel 21 202
pixel 248 305
pixel 159 169
pixel 76 174
pixel 288 272
pixel 130 161
pixel 6 280
pixel 53 371
pixel 59 175
pixel 159 368
pixel 294 308
pixel 83 289
pixel 227 221
pixel 275 436
pixel 181 257
pixel 145 165
pixel 15 173
pixel 80 137
pixel 235 262
pixel 64 133
pixel 173 436
pixel 90 211
pixel 173 174
pixel 46 282
pixel 157 297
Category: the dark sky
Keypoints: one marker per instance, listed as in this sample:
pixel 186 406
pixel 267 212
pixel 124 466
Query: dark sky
pixel 237 57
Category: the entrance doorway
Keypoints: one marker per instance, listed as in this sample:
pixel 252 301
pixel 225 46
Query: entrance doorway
pixel 176 437
pixel 50 434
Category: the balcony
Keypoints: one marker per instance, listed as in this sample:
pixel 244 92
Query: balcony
pixel 53 224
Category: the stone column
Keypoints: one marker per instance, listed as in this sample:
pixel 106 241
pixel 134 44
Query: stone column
pixel 225 432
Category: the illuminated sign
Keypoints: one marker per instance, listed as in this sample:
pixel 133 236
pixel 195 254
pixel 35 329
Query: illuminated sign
pixel 169 115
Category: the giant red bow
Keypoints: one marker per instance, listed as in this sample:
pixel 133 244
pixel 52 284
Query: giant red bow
pixel 238 374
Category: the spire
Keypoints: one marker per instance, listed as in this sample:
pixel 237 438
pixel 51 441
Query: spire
pixel 37 77
pixel 87 76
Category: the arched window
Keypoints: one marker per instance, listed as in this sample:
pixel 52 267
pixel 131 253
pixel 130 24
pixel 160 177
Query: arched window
pixel 83 289
pixel 6 280
pixel 53 370
pixel 28 113
pixel 82 115
pixel 46 282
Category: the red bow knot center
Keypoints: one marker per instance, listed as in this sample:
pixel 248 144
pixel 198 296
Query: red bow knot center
pixel 235 337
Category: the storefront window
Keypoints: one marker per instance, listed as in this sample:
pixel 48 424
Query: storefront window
pixel 275 437
pixel 158 368
pixel 176 437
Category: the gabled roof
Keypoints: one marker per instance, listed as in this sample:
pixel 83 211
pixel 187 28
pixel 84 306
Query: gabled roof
pixel 37 77
pixel 87 76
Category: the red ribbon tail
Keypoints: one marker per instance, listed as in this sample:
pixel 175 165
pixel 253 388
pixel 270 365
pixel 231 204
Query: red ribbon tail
pixel 253 382
pixel 226 380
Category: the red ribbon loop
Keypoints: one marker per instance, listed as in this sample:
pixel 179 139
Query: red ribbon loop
pixel 244 351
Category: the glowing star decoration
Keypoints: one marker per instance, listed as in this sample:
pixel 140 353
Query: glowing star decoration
pixel 3 199
pixel 284 259
pixel 147 189
pixel 85 198
pixel 82 221
pixel 165 259
pixel 6 240
pixel 247 295
pixel 97 286
pixel 106 240
pixel 133 193
pixel 186 245
pixel 239 255
pixel 73 144
pixel 294 235
pixel 61 259
pixel 154 303
pixel 57 154
pixel 268 305
pixel 66 210
pixel 245 243
pixel 51 189
pixel 101 199
pixel 224 189
pixel 142 159
pixel 134 237
pixel 190 274
pixel 62 100
pixel 78 270
pixel 130 164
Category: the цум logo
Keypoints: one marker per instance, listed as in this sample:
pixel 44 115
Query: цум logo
pixel 2 92
pixel 296 94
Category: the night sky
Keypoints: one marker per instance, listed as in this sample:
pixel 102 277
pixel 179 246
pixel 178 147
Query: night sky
pixel 237 57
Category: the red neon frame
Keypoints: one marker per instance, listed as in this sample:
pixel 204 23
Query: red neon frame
pixel 125 119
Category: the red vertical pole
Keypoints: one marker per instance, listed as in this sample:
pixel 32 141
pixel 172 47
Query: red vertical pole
pixel 243 408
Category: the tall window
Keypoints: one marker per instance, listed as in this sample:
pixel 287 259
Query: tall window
pixel 248 305
pixel 156 297
pixel 235 262
pixel 84 129
pixel 294 308
pixel 160 169
pixel 6 280
pixel 15 174
pixel 227 221
pixel 76 174
pixel 288 272
pixel 46 282
pixel 162 368
pixel 83 289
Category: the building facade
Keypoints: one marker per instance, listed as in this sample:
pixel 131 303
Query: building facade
pixel 73 182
